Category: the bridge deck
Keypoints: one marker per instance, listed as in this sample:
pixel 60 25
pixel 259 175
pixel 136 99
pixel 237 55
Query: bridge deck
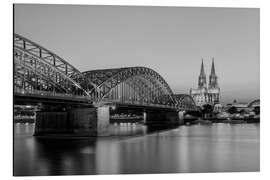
pixel 22 97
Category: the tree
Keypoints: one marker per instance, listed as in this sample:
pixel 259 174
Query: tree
pixel 194 113
pixel 242 111
pixel 257 110
pixel 207 109
pixel 232 110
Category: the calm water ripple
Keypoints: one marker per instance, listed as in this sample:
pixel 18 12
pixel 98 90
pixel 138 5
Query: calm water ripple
pixel 135 148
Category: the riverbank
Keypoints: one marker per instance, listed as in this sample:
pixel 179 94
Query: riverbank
pixel 221 120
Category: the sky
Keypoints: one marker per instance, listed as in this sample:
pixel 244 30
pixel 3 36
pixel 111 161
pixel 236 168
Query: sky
pixel 170 40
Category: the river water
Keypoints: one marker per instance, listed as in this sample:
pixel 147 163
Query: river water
pixel 135 148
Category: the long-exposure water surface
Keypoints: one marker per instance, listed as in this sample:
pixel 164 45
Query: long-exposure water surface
pixel 135 148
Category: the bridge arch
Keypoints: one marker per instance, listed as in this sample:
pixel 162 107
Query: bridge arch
pixel 117 84
pixel 41 69
pixel 38 69
pixel 185 101
pixel 254 103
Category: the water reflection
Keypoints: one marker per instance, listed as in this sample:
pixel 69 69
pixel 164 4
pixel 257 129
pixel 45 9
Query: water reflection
pixel 197 148
pixel 127 129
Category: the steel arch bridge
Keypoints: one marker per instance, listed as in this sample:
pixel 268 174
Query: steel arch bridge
pixel 254 103
pixel 135 85
pixel 39 71
pixel 185 101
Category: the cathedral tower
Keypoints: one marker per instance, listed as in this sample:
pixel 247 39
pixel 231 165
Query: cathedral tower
pixel 203 94
pixel 213 77
pixel 202 77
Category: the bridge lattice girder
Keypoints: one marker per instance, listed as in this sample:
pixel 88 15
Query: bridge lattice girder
pixel 150 86
pixel 26 77
pixel 254 103
pixel 185 101
pixel 40 69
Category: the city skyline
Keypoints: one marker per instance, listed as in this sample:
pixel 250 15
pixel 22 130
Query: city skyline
pixel 170 40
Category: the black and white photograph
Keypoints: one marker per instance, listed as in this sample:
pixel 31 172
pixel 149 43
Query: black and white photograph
pixel 110 89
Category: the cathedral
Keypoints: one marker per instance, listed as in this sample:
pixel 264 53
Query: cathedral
pixel 206 94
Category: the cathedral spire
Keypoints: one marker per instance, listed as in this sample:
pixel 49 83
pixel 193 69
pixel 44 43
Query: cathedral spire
pixel 213 72
pixel 213 77
pixel 202 77
pixel 206 94
pixel 202 69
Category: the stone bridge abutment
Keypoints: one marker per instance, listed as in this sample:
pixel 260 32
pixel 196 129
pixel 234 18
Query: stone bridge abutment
pixel 85 122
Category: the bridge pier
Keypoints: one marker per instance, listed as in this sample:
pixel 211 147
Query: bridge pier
pixel 75 122
pixel 164 117
pixel 181 117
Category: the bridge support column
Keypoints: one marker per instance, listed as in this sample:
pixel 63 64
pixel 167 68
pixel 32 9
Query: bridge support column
pixel 181 117
pixel 76 122
pixel 144 117
pixel 162 117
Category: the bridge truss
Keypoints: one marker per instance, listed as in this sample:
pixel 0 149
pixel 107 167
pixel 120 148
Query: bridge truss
pixel 185 101
pixel 136 85
pixel 254 103
pixel 40 71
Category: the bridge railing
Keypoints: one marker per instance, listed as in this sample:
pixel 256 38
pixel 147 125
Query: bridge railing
pixel 85 98
pixel 47 93
pixel 127 102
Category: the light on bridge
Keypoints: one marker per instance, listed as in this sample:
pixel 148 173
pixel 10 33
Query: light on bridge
pixel 113 107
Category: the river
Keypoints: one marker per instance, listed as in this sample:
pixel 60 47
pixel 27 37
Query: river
pixel 135 148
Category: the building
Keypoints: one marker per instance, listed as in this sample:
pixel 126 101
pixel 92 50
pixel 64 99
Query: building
pixel 240 106
pixel 206 94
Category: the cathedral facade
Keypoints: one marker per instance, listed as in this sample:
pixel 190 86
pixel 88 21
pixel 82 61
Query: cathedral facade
pixel 206 94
